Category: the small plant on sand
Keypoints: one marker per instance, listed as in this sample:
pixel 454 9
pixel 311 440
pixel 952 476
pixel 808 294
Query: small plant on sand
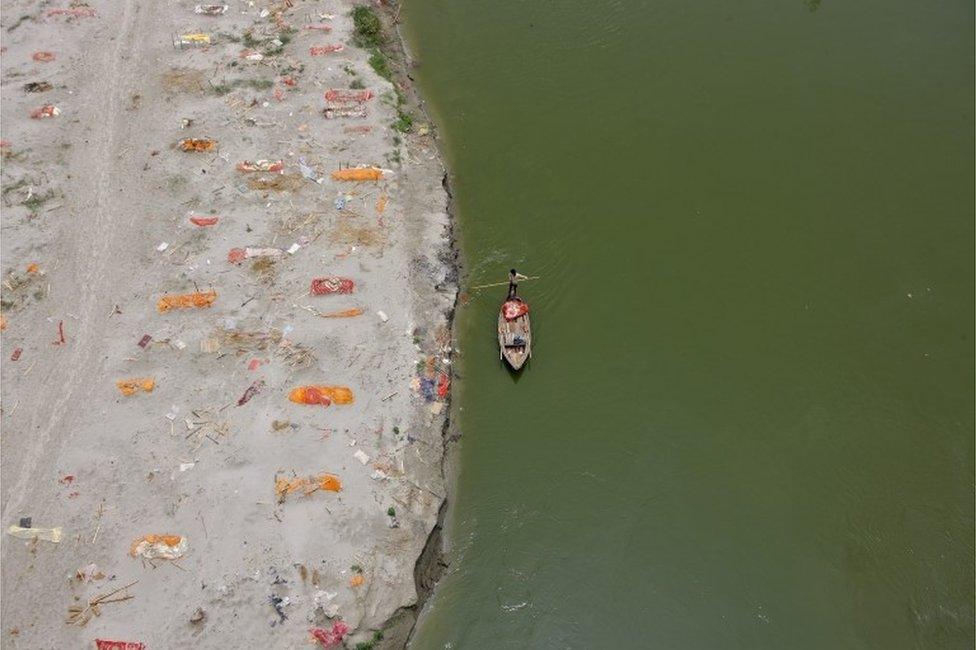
pixel 357 84
pixel 391 512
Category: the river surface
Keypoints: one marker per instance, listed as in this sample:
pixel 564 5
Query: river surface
pixel 748 420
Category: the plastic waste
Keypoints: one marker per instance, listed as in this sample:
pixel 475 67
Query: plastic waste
pixel 319 50
pixel 361 456
pixel 306 169
pixel 197 144
pixel 359 174
pixel 48 110
pixel 306 484
pixel 324 395
pixel 321 27
pixel 197 299
pixel 204 221
pixel 16 354
pixel 251 55
pixel 331 284
pixel 45 534
pixel 238 255
pixel 356 580
pixel 42 56
pixel 260 166
pixel 165 547
pixel 132 386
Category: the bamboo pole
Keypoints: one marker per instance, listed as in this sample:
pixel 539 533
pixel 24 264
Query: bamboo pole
pixel 498 284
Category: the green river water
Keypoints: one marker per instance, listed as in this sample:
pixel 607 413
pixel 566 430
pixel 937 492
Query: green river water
pixel 748 421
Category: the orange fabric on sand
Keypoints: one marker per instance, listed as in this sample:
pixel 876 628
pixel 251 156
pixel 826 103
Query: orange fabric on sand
pixel 185 300
pixel 152 540
pixel 307 484
pixel 324 395
pixel 132 386
pixel 356 580
pixel 345 313
pixel 358 174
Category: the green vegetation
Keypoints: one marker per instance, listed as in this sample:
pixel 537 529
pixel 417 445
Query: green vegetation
pixel 404 122
pixel 250 41
pixel 367 26
pixel 391 512
pixel 228 86
pixel 357 84
pixel 355 568
pixel 35 202
pixel 379 62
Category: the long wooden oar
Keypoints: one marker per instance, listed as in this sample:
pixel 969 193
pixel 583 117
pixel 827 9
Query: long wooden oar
pixel 498 284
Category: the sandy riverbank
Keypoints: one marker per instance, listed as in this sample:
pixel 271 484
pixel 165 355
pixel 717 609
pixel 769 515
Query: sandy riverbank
pixel 90 197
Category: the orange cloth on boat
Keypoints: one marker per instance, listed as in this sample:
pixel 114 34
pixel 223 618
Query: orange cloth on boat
pixel 512 309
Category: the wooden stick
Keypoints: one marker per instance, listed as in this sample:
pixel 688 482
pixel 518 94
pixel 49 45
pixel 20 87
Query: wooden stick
pixel 498 284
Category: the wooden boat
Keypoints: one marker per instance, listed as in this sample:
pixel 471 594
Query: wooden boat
pixel 514 335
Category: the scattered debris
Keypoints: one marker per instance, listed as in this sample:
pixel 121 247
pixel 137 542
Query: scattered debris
pixel 144 341
pixel 89 573
pixel 16 355
pixel 198 615
pixel 356 580
pixel 43 57
pixel 204 221
pixel 251 391
pixel 361 456
pixel 78 615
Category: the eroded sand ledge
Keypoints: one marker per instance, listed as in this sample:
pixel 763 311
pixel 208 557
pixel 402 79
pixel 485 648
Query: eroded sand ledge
pixel 185 459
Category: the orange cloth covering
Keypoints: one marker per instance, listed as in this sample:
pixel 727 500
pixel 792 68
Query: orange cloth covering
pixel 358 174
pixel 324 395
pixel 185 300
